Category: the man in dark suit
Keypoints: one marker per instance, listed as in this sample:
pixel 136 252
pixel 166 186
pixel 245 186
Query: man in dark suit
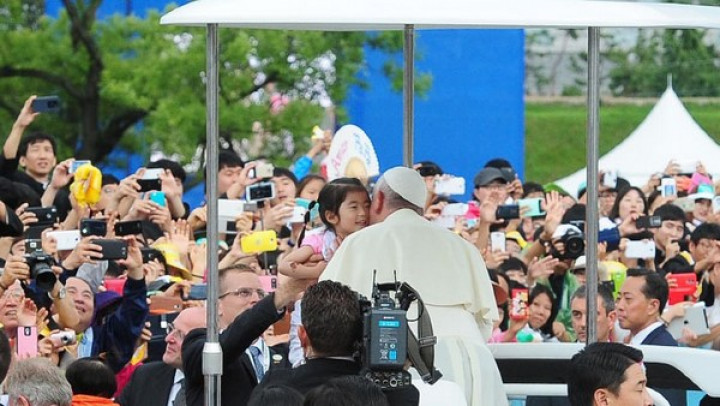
pixel 642 299
pixel 160 383
pixel 332 325
pixel 245 313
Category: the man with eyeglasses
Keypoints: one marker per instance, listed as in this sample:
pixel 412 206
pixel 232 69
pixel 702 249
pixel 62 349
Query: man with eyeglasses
pixel 245 312
pixel 162 382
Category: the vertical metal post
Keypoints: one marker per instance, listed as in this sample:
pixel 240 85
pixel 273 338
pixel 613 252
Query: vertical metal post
pixel 408 95
pixel 591 221
pixel 212 353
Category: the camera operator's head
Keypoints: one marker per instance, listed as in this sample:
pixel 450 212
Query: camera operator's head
pixel 607 374
pixel 37 155
pixel 331 320
pixel 398 188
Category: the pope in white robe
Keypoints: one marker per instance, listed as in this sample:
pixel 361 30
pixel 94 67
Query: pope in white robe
pixel 447 271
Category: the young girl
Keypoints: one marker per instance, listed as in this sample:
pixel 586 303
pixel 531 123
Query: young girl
pixel 344 208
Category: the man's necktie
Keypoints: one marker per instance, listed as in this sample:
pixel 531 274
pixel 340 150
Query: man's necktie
pixel 180 396
pixel 257 362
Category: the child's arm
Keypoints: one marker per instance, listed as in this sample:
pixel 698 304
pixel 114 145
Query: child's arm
pixel 293 264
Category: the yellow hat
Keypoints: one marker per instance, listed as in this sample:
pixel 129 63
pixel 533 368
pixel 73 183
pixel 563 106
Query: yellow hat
pixel 171 253
pixel 515 236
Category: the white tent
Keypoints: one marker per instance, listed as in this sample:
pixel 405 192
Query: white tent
pixel 668 133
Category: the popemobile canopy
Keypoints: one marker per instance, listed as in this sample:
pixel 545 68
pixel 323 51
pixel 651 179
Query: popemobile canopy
pixel 334 15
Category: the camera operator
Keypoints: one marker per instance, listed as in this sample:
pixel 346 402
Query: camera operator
pixel 331 329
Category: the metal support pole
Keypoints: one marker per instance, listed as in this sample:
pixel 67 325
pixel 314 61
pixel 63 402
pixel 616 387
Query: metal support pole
pixel 212 352
pixel 408 95
pixel 591 221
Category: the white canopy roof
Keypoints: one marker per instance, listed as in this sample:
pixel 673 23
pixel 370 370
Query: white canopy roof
pixel 668 132
pixel 344 15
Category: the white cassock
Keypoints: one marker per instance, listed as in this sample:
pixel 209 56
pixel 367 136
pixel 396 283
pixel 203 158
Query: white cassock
pixel 451 278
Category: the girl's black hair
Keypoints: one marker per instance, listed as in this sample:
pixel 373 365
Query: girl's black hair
pixel 536 291
pixel 330 199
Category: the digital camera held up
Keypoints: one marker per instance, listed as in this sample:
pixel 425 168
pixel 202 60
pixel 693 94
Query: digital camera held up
pixel 40 265
pixel 573 241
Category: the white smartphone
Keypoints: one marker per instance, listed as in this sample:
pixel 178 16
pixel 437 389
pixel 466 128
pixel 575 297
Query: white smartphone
pixel 695 319
pixel 716 204
pixel 610 179
pixel 153 173
pixel 228 210
pixel 640 249
pixel 688 167
pixel 453 185
pixel 66 240
pixel 668 187
pixel 298 215
pixel 455 209
pixel 76 164
pixel 497 241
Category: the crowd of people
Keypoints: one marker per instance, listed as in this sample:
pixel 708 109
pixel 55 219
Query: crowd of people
pixel 103 298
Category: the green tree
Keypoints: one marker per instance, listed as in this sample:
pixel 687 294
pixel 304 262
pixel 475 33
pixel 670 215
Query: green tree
pixel 687 55
pixel 132 82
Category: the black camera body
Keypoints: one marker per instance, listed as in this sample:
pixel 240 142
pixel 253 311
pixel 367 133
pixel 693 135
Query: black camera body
pixel 574 243
pixel 385 341
pixel 41 265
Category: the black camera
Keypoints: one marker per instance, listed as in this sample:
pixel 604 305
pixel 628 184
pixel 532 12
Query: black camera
pixel 574 245
pixel 41 265
pixel 388 342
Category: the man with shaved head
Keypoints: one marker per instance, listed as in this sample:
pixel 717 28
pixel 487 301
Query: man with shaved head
pixel 162 382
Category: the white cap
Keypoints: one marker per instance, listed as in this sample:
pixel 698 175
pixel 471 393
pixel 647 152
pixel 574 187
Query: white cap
pixel 408 184
pixel 563 229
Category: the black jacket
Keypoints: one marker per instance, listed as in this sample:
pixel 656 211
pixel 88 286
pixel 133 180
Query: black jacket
pixel 238 378
pixel 149 385
pixel 317 371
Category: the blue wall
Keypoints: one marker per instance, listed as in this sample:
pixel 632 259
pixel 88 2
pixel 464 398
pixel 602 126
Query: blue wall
pixel 473 112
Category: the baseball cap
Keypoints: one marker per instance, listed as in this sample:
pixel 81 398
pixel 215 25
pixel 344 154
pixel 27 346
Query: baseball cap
pixel 171 253
pixel 487 175
pixel 563 229
pixel 703 192
pixel 408 184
